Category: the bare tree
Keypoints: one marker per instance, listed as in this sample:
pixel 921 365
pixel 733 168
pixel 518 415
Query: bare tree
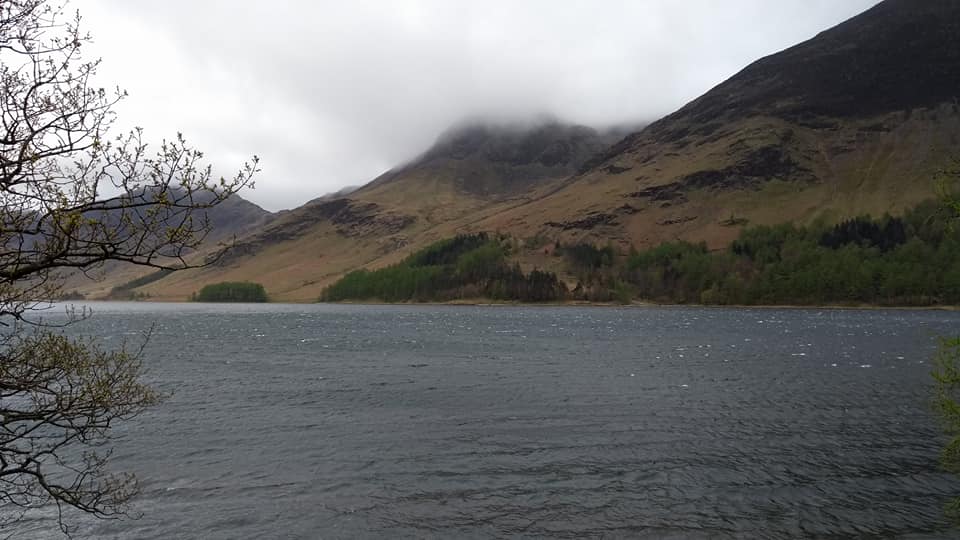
pixel 73 196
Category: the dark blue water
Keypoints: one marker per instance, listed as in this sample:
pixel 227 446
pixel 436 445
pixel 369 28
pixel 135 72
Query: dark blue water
pixel 450 422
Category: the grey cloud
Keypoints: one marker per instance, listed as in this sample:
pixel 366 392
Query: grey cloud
pixel 333 93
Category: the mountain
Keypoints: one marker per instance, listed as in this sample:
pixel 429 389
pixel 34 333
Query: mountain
pixel 490 160
pixel 899 55
pixel 475 164
pixel 473 171
pixel 229 220
pixel 856 120
pixel 236 217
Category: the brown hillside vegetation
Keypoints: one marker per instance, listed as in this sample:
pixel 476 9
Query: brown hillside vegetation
pixel 474 171
pixel 856 120
pixel 853 121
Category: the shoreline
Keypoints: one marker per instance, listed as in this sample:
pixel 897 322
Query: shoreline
pixel 639 304
pixel 491 303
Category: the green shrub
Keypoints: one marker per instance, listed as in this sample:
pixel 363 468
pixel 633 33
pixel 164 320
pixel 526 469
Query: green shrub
pixel 913 260
pixel 126 290
pixel 466 266
pixel 232 291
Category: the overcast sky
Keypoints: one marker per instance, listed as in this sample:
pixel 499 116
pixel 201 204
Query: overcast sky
pixel 331 94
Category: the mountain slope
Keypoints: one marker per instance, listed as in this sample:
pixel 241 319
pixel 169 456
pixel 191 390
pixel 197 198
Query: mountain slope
pixel 855 120
pixel 231 219
pixel 899 55
pixel 474 170
pixel 494 161
pixel 476 164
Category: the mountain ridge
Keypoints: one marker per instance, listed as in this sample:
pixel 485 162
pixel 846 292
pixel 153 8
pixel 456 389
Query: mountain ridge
pixel 770 127
pixel 501 158
pixel 923 73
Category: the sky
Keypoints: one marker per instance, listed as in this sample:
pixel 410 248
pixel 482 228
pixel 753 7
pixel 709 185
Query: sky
pixel 332 94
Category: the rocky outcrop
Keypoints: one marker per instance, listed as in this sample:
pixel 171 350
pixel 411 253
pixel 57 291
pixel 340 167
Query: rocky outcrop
pixel 356 218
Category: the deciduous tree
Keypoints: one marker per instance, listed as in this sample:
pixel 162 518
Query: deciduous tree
pixel 74 195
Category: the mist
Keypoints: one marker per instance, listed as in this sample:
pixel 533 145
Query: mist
pixel 332 94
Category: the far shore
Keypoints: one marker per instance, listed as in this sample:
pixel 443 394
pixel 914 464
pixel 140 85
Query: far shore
pixel 482 302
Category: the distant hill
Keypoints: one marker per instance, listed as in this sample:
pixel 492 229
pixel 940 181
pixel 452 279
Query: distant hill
pixel 233 218
pixel 236 217
pixel 853 121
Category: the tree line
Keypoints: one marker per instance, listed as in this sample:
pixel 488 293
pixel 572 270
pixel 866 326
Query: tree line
pixel 465 266
pixel 231 291
pixel 910 260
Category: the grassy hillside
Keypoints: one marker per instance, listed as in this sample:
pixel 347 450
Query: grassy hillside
pixel 759 169
pixel 473 172
pixel 856 121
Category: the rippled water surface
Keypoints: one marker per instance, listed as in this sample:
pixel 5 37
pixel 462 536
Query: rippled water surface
pixel 431 421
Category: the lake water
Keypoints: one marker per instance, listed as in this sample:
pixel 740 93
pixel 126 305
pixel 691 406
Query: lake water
pixel 308 421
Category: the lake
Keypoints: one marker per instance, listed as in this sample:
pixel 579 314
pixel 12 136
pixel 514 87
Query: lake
pixel 343 421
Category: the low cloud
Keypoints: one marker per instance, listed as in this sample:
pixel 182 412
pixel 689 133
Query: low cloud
pixel 331 94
